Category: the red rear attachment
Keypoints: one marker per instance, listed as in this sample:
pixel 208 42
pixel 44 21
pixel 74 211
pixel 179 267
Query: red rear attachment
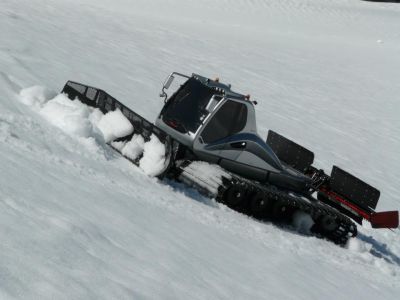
pixel 359 198
pixel 385 219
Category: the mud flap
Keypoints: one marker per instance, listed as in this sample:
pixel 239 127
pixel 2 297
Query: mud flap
pixel 362 197
pixel 289 152
pixel 353 189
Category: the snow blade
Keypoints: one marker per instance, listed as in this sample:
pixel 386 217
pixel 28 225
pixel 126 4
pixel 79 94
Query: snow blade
pixel 353 189
pixel 289 152
pixel 385 219
pixel 85 93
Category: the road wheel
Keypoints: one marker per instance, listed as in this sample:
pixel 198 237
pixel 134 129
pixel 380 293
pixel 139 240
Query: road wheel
pixel 235 196
pixel 259 205
pixel 281 211
pixel 328 223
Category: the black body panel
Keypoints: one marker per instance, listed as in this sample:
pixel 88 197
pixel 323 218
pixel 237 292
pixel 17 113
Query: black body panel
pixel 246 170
pixel 292 154
pixel 354 189
pixel 288 181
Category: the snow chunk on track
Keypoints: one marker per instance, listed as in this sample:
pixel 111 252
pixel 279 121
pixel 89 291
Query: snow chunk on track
pixel 205 175
pixel 134 148
pixel 114 125
pixel 153 160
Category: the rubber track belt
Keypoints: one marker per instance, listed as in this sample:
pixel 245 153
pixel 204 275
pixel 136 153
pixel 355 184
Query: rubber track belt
pixel 344 227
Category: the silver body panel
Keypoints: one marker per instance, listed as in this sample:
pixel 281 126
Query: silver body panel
pixel 242 152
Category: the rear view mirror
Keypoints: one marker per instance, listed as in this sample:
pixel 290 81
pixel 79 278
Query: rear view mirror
pixel 166 85
pixel 168 82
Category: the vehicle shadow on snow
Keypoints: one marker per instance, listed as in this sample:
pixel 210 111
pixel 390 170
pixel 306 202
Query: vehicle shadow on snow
pixel 379 249
pixel 300 225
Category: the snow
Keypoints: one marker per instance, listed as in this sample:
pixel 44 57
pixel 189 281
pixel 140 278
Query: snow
pixel 77 221
pixel 132 148
pixel 36 95
pixel 114 125
pixel 200 172
pixel 152 162
pixel 302 222
pixel 70 116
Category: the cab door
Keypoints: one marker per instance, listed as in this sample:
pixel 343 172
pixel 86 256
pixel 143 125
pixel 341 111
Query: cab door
pixel 215 139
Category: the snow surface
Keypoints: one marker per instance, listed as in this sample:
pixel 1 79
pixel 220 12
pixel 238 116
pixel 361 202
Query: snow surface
pixel 77 221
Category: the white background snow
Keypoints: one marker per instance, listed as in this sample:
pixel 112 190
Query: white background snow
pixel 77 221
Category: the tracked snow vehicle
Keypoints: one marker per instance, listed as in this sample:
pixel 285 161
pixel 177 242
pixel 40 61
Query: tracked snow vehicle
pixel 212 144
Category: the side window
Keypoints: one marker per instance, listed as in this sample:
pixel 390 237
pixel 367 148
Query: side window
pixel 229 119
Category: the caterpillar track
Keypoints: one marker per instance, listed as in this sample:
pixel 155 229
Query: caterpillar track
pixel 266 202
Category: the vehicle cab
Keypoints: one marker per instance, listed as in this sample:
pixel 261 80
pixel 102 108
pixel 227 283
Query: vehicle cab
pixel 218 126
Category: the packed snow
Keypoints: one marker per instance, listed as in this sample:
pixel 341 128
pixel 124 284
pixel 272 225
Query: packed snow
pixel 114 125
pixel 153 158
pixel 78 221
pixel 131 149
pixel 205 175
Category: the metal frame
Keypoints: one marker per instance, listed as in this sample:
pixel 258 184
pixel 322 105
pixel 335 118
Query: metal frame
pixel 167 83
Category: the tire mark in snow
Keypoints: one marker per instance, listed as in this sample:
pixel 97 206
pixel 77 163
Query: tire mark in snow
pixel 14 86
pixel 17 66
pixel 24 66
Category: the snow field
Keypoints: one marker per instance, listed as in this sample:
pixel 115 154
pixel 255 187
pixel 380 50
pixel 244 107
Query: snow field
pixel 79 222
pixel 60 111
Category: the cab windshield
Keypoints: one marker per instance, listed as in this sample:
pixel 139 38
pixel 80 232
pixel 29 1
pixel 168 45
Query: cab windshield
pixel 186 109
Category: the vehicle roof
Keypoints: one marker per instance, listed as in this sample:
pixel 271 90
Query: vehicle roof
pixel 225 89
